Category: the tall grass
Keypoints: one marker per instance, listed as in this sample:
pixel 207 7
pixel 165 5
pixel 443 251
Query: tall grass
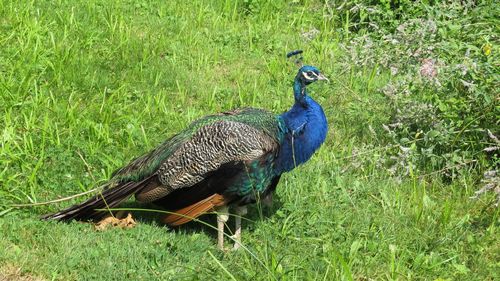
pixel 85 86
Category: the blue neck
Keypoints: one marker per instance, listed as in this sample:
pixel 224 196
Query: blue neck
pixel 306 130
pixel 299 90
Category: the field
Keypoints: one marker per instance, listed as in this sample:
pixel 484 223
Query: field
pixel 85 86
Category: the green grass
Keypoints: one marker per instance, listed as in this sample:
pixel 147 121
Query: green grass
pixel 87 85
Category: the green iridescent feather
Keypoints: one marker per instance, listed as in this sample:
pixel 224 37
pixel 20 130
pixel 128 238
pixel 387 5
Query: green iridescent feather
pixel 141 167
pixel 257 178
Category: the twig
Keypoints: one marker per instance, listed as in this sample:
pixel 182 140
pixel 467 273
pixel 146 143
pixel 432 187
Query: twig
pixel 60 199
pixel 86 165
pixel 447 168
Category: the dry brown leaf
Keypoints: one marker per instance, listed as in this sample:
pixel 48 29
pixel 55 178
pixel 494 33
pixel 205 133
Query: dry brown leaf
pixel 127 222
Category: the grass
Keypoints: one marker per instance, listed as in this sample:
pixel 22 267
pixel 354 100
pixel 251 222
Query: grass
pixel 87 85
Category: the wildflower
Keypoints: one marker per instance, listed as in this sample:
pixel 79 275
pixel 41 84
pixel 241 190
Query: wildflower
pixel 311 34
pixel 491 182
pixel 487 49
pixel 462 68
pixel 394 70
pixel 469 85
pixel 428 68
pixel 493 137
pixel 390 90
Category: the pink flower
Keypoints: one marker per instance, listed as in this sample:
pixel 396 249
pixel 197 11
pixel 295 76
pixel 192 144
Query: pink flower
pixel 428 68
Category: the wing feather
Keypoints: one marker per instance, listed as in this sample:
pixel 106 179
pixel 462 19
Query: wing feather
pixel 212 146
pixel 265 122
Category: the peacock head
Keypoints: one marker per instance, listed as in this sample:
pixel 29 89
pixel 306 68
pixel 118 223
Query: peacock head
pixel 308 74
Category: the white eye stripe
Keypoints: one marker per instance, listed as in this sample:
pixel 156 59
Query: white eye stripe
pixel 309 77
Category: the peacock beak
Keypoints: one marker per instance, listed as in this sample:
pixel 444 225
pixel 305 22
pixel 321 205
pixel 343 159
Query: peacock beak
pixel 322 77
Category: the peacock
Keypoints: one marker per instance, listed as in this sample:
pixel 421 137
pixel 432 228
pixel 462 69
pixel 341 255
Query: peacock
pixel 221 161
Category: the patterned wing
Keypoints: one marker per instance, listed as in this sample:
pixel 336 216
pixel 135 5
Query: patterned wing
pixel 212 146
pixel 265 122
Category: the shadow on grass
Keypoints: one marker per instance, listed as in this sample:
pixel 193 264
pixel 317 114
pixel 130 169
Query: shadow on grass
pixel 206 223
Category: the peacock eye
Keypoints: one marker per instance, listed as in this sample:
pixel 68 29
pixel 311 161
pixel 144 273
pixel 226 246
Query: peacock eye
pixel 309 75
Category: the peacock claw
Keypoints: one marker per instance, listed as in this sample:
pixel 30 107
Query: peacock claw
pixel 240 211
pixel 237 242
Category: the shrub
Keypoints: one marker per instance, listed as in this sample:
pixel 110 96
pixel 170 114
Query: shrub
pixel 444 65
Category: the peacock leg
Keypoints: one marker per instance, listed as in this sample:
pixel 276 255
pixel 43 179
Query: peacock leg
pixel 222 217
pixel 239 212
pixel 268 200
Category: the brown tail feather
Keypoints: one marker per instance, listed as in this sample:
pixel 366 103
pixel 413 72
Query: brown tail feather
pixel 108 198
pixel 195 210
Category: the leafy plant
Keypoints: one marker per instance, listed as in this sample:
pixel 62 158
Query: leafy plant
pixel 444 67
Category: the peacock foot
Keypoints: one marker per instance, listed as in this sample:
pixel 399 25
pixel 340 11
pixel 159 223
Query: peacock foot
pixel 240 211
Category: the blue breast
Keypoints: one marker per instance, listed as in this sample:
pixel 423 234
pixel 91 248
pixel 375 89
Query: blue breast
pixel 306 131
